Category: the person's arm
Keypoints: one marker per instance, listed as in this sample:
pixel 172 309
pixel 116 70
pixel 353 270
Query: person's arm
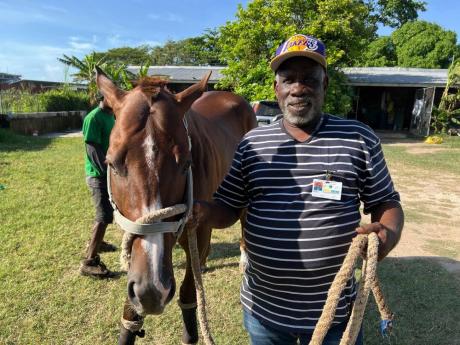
pixel 214 213
pixel 96 155
pixel 387 221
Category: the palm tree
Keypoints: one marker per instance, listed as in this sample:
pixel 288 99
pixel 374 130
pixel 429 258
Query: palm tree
pixel 85 71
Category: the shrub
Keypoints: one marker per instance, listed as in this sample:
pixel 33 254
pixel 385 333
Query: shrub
pixel 64 100
pixel 23 101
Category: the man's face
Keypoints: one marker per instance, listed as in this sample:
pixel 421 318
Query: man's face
pixel 300 87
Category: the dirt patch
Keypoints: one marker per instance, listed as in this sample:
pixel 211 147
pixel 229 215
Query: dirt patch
pixel 425 150
pixel 432 211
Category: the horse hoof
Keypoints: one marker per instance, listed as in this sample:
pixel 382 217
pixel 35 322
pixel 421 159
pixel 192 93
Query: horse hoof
pixel 126 337
pixel 190 327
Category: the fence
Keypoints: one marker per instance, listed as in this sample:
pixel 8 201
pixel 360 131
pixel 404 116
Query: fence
pixel 40 123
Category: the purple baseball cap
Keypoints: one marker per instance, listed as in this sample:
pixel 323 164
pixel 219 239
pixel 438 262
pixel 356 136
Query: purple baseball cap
pixel 300 45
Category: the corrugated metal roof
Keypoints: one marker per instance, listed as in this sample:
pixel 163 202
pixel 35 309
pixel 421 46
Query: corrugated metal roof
pixel 357 76
pixel 184 74
pixel 395 76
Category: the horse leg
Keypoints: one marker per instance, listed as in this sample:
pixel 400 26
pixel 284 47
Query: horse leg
pixel 128 337
pixel 187 303
pixel 187 294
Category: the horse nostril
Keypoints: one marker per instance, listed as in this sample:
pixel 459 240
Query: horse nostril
pixel 131 293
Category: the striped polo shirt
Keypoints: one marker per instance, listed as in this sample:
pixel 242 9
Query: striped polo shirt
pixel 297 242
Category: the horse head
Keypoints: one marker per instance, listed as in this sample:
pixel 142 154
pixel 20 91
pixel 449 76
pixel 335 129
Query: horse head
pixel 149 158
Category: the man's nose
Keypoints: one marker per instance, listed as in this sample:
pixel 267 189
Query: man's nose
pixel 298 89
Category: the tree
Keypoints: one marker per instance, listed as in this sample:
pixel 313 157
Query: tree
pixel 127 55
pixel 380 53
pixel 201 50
pixel 85 71
pixel 425 45
pixel 447 114
pixel 395 13
pixel 249 42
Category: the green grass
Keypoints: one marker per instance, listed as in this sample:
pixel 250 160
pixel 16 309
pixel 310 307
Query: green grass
pixel 446 160
pixel 46 215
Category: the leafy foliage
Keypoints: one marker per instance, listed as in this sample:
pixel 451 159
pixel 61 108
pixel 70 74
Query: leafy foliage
pixel 423 44
pixel 248 43
pixel 126 55
pixel 380 53
pixel 63 99
pixel 85 70
pixel 201 50
pixel 447 115
pixel 416 44
pixel 395 13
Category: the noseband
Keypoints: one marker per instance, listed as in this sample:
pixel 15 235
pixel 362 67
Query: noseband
pixel 151 223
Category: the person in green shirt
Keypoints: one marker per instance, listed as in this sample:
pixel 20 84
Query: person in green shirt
pixel 97 126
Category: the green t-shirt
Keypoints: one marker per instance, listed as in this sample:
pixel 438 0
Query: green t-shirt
pixel 97 126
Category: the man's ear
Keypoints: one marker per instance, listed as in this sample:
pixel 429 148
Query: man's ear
pixel 325 81
pixel 275 83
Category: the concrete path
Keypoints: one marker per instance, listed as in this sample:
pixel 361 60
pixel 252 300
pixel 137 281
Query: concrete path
pixel 67 134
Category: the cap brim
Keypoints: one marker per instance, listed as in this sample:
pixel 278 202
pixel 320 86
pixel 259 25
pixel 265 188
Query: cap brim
pixel 277 61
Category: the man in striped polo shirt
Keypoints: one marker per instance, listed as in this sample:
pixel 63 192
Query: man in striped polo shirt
pixel 302 180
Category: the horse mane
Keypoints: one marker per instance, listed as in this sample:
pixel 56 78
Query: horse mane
pixel 152 85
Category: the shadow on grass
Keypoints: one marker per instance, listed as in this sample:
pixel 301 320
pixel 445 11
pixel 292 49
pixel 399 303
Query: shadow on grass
pixel 424 298
pixel 221 250
pixel 10 141
pixel 224 250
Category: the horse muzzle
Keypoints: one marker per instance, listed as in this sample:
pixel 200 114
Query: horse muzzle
pixel 150 298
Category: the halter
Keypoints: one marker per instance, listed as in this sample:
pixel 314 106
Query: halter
pixel 143 226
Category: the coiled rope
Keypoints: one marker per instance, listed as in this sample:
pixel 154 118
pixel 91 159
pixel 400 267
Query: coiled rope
pixel 369 282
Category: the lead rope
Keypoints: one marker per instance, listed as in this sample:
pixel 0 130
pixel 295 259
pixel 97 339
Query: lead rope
pixel 369 282
pixel 200 296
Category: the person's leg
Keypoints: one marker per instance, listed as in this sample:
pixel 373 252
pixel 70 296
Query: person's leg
pixel 96 239
pixel 105 216
pixel 260 334
pixel 92 265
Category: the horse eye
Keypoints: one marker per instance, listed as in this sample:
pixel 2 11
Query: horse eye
pixel 118 165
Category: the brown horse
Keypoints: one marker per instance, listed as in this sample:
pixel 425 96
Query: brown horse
pixel 149 159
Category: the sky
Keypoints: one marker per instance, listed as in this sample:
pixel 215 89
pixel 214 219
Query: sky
pixel 33 34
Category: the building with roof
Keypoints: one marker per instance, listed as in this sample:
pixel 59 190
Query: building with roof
pixel 386 98
pixel 6 78
pixel 181 77
pixel 395 98
pixel 37 86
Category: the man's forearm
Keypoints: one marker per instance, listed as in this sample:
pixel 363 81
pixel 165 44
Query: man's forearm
pixel 391 216
pixel 97 156
pixel 217 214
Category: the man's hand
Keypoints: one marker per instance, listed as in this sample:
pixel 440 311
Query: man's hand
pixel 387 238
pixel 200 214
pixel 387 222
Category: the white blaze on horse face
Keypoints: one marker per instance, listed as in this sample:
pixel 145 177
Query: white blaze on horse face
pixel 154 249
pixel 149 153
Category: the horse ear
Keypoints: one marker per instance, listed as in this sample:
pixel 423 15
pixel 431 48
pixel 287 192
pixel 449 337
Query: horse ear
pixel 112 94
pixel 191 94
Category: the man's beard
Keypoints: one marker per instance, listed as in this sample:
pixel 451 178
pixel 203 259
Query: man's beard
pixel 302 118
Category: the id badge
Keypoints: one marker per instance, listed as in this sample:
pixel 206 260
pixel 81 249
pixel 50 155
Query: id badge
pixel 327 189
